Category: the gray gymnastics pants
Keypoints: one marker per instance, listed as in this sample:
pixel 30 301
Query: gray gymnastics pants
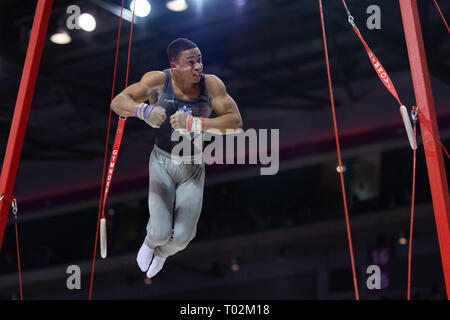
pixel 175 202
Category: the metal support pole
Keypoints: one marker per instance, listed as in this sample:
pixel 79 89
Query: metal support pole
pixel 22 108
pixel 429 129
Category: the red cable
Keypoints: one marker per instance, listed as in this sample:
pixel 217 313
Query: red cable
pixel 412 217
pixel 110 111
pixel 442 16
pixel 100 212
pixel 18 261
pixel 445 150
pixel 341 174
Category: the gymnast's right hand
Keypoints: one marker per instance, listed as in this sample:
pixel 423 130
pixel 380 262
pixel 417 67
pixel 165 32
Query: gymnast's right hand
pixel 154 116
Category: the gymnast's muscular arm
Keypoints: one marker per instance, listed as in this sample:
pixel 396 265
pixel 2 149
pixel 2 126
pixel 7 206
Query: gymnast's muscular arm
pixel 124 104
pixel 223 104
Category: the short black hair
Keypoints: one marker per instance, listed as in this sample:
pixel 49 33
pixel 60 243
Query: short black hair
pixel 178 45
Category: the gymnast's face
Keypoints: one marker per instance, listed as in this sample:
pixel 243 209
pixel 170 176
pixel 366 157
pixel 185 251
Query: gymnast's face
pixel 188 66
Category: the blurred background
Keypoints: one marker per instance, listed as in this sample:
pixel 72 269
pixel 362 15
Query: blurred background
pixel 259 237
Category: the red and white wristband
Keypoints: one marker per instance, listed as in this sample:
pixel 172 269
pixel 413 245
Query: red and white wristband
pixel 194 124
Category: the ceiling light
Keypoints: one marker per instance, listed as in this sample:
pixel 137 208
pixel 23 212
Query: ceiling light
pixel 87 22
pixel 142 8
pixel 338 169
pixel 61 37
pixel 177 5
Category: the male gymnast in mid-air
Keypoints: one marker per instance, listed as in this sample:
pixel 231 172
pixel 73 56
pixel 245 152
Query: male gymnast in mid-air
pixel 181 98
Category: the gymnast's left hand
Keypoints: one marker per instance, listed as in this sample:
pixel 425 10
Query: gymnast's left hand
pixel 178 120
